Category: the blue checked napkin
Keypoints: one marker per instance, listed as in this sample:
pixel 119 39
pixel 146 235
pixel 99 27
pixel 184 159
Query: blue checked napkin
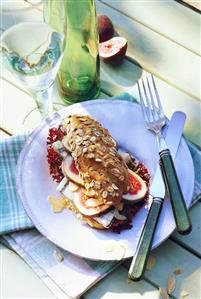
pixel 12 214
pixel 66 275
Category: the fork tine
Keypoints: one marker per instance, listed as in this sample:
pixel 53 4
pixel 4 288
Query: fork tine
pixel 158 98
pixel 150 110
pixel 152 101
pixel 142 104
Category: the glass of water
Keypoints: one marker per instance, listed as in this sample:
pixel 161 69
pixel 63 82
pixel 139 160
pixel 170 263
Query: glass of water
pixel 33 53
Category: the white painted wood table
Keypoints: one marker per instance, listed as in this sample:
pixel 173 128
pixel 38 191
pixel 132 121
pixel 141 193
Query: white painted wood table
pixel 163 39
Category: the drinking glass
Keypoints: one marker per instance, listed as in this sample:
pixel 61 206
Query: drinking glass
pixel 33 51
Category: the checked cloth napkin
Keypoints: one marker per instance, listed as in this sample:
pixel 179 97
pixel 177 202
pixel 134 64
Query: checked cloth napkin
pixel 66 275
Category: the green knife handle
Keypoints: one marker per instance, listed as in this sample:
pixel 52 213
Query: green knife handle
pixel 180 211
pixel 141 255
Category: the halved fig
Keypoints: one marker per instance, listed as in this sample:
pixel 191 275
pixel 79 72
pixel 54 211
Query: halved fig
pixel 79 202
pixel 138 188
pixel 70 170
pixel 113 50
pixel 88 207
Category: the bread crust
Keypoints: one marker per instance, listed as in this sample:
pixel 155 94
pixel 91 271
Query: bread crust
pixel 102 169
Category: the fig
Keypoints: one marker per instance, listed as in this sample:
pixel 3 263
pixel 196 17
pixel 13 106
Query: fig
pixel 86 206
pixel 138 188
pixel 70 170
pixel 105 28
pixel 81 205
pixel 113 51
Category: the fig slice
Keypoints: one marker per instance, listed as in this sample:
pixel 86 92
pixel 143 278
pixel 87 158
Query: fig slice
pixel 93 208
pixel 70 170
pixel 79 202
pixel 138 188
pixel 113 50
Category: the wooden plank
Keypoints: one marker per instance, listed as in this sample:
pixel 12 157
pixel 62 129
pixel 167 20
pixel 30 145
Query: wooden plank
pixel 116 286
pixel 156 54
pixel 196 5
pixel 192 241
pixel 5 132
pixel 169 257
pixel 15 106
pixel 168 18
pixel 17 278
pixel 13 12
pixel 124 78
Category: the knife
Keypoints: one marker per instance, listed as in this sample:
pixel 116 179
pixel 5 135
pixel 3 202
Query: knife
pixel 157 193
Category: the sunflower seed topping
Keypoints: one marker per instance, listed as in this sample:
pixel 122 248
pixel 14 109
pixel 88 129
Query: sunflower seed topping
pixel 115 172
pixel 98 133
pixel 78 152
pixel 87 186
pixel 91 148
pixel 98 185
pixel 84 150
pixel 87 122
pixel 73 146
pixel 105 194
pixel 91 184
pixel 121 178
pixel 115 187
pixel 80 132
pixel 78 139
pixel 93 139
pixel 98 160
pixel 110 189
pixel 86 137
pixel 92 192
pixel 100 153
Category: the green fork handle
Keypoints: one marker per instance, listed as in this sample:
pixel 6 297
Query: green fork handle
pixel 180 211
pixel 139 260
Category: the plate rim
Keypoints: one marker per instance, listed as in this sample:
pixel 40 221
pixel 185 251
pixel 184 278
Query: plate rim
pixel 30 139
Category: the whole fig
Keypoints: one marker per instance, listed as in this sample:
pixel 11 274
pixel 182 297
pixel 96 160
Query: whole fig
pixel 105 28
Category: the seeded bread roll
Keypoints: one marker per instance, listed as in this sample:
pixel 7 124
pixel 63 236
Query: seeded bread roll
pixel 102 169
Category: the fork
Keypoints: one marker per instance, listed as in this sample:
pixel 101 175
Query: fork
pixel 155 120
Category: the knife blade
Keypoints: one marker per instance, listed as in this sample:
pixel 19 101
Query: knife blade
pixel 157 193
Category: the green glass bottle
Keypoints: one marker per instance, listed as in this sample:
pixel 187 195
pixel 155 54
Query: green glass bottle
pixel 79 74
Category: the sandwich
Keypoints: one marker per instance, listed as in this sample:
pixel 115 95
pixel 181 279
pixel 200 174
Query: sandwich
pixel 103 186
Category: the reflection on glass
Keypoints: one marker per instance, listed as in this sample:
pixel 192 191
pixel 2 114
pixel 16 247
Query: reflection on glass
pixel 33 52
